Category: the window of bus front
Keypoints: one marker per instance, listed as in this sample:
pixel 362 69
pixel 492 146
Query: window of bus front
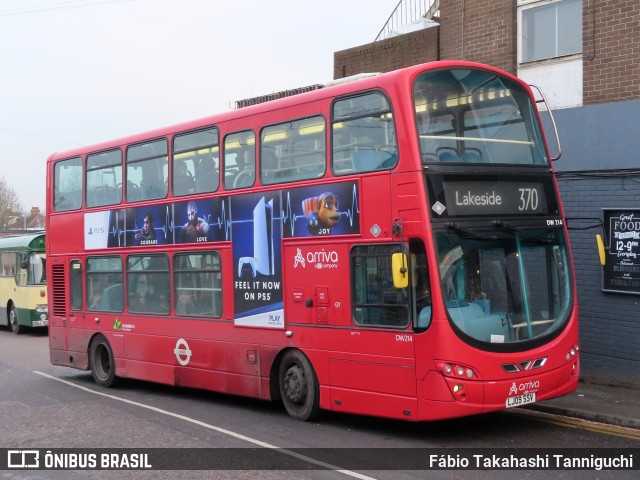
pixel 293 151
pixel 105 284
pixel 104 178
pixel 364 134
pixel 376 301
pixel 195 162
pixel 474 116
pixel 147 171
pixel 505 288
pixel 239 160
pixel 67 185
pixel 148 284
pixel 197 281
pixel 37 273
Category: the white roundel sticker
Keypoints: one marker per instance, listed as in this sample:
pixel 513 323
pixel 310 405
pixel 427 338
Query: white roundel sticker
pixel 182 352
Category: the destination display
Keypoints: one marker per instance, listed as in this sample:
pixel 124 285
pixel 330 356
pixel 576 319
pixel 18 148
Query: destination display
pixel 494 198
pixel 621 272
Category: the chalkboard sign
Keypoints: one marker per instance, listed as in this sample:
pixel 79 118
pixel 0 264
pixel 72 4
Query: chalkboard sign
pixel 621 272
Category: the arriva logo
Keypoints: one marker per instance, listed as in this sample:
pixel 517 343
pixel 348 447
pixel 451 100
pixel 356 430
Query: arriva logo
pixel 524 387
pixel 319 260
pixel 298 259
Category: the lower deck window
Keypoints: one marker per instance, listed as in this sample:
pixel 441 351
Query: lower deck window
pixel 376 300
pixel 198 284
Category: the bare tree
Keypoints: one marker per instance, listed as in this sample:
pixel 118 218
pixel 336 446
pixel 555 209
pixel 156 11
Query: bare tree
pixel 10 205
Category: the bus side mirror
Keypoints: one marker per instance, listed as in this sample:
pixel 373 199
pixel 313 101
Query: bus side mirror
pixel 601 250
pixel 400 271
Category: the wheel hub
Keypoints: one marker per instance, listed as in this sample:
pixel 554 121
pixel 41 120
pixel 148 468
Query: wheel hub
pixel 294 384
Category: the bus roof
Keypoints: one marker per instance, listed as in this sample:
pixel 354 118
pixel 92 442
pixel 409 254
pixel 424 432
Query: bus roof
pixel 34 242
pixel 331 89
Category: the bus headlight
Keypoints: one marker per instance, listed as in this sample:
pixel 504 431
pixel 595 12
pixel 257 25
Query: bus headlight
pixel 42 308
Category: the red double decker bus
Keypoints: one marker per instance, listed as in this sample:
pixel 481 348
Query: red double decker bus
pixel 392 246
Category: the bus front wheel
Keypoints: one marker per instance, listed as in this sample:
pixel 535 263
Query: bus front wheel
pixel 102 363
pixel 13 320
pixel 299 386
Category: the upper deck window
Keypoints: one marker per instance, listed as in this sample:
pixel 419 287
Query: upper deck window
pixel 147 171
pixel 195 162
pixel 67 185
pixel 364 135
pixel 294 150
pixel 239 160
pixel 104 178
pixel 474 116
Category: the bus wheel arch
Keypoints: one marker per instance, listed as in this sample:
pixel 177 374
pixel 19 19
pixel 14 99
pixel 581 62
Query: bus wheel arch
pixel 102 362
pixel 298 385
pixel 12 315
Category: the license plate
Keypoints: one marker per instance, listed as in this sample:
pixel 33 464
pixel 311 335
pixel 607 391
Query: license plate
pixel 521 400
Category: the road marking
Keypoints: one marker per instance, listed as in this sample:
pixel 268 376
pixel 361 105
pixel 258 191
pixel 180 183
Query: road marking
pixel 224 431
pixel 572 422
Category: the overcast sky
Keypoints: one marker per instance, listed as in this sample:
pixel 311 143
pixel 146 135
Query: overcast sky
pixel 80 72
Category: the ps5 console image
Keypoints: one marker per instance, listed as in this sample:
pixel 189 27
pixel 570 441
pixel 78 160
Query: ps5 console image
pixel 263 237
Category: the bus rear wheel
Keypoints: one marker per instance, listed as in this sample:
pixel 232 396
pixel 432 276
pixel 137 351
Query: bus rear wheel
pixel 102 362
pixel 13 320
pixel 299 386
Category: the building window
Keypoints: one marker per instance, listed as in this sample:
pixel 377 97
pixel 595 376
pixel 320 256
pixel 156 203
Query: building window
pixel 550 30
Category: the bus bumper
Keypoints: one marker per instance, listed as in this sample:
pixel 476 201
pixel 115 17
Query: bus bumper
pixel 445 397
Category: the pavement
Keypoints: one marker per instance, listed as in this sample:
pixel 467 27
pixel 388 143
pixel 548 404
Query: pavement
pixel 609 404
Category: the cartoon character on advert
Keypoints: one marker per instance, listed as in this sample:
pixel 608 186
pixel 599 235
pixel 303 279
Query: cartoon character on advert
pixel 322 213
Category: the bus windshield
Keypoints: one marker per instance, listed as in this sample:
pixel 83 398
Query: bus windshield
pixel 473 116
pixel 37 269
pixel 505 286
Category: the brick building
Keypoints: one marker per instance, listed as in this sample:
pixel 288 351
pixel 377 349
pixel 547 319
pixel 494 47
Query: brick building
pixel 585 56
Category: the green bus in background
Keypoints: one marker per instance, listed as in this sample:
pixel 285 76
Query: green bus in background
pixel 23 283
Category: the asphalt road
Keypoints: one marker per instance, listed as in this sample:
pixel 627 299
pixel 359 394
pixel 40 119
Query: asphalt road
pixel 49 407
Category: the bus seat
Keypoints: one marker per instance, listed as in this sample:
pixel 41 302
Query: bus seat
pixel 472 155
pixel 365 160
pixel 447 154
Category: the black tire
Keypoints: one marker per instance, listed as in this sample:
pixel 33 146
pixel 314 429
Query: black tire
pixel 13 320
pixel 299 386
pixel 102 363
